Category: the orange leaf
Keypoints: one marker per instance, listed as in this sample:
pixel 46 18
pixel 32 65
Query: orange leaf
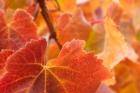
pixel 53 50
pixel 20 30
pixel 72 26
pixel 127 75
pixel 73 71
pixel 65 5
pixel 14 4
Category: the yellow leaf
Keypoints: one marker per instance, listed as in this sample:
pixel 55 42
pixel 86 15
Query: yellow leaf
pixel 115 47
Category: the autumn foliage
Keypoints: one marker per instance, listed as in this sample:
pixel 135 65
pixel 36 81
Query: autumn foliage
pixel 69 46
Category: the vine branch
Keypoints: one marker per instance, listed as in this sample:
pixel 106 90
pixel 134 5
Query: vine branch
pixel 45 14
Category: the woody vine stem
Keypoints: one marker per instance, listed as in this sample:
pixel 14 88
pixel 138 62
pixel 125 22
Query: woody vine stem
pixel 45 14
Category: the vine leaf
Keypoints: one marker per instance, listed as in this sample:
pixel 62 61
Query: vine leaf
pixel 129 71
pixel 73 71
pixel 72 26
pixel 4 54
pixel 115 47
pixel 20 30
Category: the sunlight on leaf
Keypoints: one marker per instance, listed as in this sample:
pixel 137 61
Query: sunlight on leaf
pixel 115 47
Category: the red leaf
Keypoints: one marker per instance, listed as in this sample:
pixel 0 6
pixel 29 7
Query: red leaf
pixel 4 54
pixel 20 30
pixel 73 71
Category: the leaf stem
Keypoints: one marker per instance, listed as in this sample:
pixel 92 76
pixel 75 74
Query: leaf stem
pixel 47 19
